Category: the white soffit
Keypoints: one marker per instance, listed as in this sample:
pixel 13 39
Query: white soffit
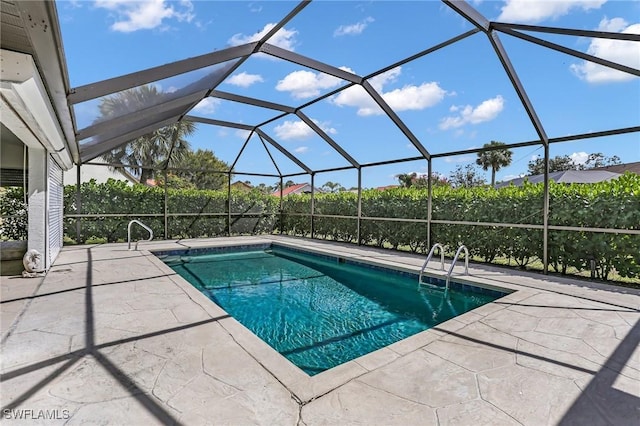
pixel 26 108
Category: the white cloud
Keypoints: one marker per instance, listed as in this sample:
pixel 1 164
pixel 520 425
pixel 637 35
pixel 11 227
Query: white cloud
pixel 579 157
pixel 207 106
pixel 409 97
pixel 463 159
pixel 297 130
pixel 619 51
pixel 242 134
pixel 533 11
pixel 253 8
pixel 486 111
pixel 353 29
pixel 307 84
pixel 145 14
pixel 301 149
pixel 283 38
pixel 244 80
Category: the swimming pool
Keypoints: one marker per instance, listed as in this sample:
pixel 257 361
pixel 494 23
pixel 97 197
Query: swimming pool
pixel 320 311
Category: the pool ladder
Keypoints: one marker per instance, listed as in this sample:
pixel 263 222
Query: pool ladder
pixel 129 232
pixel 453 264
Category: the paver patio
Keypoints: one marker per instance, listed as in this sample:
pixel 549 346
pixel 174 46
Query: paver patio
pixel 112 336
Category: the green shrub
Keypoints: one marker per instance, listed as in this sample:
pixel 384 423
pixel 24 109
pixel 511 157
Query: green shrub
pixel 13 214
pixel 613 204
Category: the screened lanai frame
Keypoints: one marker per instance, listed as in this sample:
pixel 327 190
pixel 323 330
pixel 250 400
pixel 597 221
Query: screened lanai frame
pixel 99 138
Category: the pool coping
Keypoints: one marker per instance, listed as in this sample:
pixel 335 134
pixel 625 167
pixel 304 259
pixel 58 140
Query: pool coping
pixel 306 388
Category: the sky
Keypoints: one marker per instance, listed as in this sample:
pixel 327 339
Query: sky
pixel 455 98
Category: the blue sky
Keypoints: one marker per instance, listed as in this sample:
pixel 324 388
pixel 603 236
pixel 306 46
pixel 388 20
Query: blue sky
pixel 453 99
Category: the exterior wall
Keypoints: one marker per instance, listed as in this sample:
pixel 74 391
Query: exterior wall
pixel 87 172
pixel 12 150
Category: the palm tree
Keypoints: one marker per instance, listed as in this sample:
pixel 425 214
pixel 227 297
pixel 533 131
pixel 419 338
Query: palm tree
pixel 494 159
pixel 154 148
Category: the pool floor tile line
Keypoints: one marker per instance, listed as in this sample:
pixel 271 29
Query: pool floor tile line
pixel 570 352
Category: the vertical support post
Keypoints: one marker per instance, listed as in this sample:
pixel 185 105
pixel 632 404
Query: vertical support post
pixel 166 204
pixel 281 211
pixel 429 200
pixel 229 204
pixel 359 204
pixel 78 205
pixel 313 203
pixel 545 219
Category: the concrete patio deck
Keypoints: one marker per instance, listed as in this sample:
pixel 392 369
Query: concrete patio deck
pixel 112 336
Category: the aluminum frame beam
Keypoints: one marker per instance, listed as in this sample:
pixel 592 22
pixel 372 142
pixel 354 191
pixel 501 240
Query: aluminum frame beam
pixel 470 14
pixel 572 52
pixel 518 87
pixel 244 145
pixel 327 138
pixel 305 61
pixel 396 120
pixel 219 122
pixel 251 101
pixel 90 152
pixel 284 151
pixel 128 81
pixel 270 156
pixel 132 117
pixel 566 31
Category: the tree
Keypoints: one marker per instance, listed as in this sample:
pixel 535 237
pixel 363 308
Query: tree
pixel 466 177
pixel 406 179
pixel 561 163
pixel 598 159
pixel 558 163
pixel 409 180
pixel 264 189
pixel 494 159
pixel 202 168
pixel 332 187
pixel 150 150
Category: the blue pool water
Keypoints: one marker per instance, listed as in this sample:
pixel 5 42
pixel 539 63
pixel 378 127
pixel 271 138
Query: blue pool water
pixel 319 311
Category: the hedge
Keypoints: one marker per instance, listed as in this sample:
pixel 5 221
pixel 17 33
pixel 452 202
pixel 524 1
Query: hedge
pixel 614 204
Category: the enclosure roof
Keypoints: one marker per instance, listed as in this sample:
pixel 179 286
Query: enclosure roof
pixel 183 85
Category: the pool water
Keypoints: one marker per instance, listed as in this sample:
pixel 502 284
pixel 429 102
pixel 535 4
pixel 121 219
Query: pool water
pixel 318 311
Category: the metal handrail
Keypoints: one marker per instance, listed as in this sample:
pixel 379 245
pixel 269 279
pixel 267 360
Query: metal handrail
pixel 455 259
pixel 129 232
pixel 426 262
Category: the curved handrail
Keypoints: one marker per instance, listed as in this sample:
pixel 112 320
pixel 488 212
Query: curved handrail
pixel 129 232
pixel 455 259
pixel 426 262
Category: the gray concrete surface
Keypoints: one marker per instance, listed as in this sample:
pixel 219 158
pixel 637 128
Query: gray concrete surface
pixel 112 336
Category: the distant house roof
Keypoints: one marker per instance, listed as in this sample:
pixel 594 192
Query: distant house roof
pixel 243 186
pixel 566 176
pixel 298 188
pixel 384 188
pixel 621 168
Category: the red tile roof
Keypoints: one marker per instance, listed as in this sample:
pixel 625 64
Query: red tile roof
pixel 293 189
